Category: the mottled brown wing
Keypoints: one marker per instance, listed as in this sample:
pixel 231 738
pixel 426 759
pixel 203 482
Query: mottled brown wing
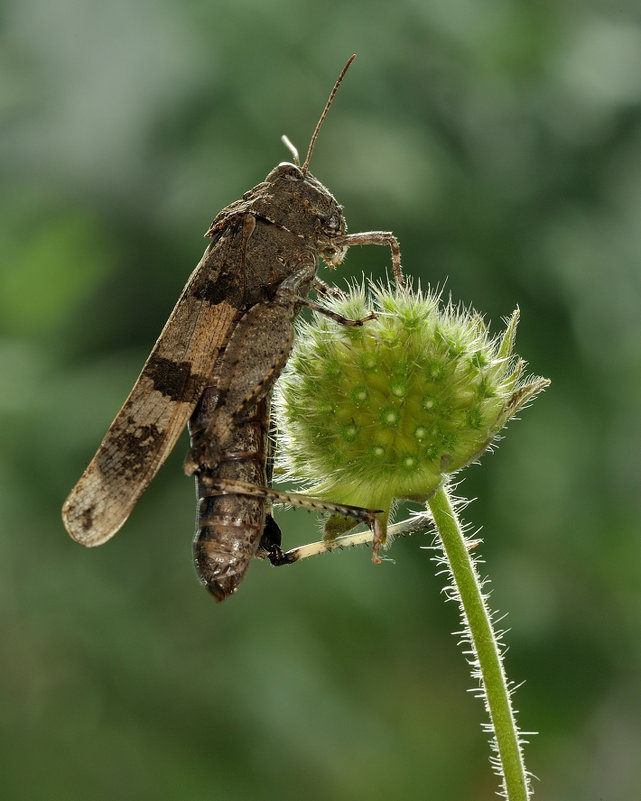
pixel 160 403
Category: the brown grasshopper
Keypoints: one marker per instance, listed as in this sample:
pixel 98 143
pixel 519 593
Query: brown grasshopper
pixel 215 365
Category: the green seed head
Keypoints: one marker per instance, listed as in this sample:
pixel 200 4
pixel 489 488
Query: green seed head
pixel 383 411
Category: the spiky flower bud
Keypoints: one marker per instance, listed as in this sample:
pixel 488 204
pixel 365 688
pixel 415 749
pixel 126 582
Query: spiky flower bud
pixel 384 411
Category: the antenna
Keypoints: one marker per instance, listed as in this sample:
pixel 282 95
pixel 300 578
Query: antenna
pixel 292 149
pixel 312 141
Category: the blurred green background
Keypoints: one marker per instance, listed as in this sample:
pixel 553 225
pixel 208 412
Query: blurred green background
pixel 501 142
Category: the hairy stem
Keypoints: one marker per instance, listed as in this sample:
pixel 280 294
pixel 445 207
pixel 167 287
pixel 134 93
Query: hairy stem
pixel 487 663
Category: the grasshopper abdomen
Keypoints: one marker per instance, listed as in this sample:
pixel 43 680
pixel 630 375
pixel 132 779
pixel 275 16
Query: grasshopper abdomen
pixel 229 527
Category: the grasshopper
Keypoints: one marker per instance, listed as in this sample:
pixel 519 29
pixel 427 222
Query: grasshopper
pixel 214 365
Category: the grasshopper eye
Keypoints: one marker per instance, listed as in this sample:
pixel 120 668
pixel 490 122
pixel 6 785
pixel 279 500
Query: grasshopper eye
pixel 332 223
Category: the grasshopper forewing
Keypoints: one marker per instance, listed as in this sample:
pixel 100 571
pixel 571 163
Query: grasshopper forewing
pixel 157 409
pixel 223 347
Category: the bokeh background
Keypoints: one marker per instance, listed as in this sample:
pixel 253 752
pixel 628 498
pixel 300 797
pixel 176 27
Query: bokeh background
pixel 501 142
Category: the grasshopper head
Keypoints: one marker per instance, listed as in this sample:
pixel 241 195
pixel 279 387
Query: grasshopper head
pixel 307 208
pixel 320 216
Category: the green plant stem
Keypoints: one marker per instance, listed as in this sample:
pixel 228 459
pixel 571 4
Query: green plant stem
pixel 477 619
